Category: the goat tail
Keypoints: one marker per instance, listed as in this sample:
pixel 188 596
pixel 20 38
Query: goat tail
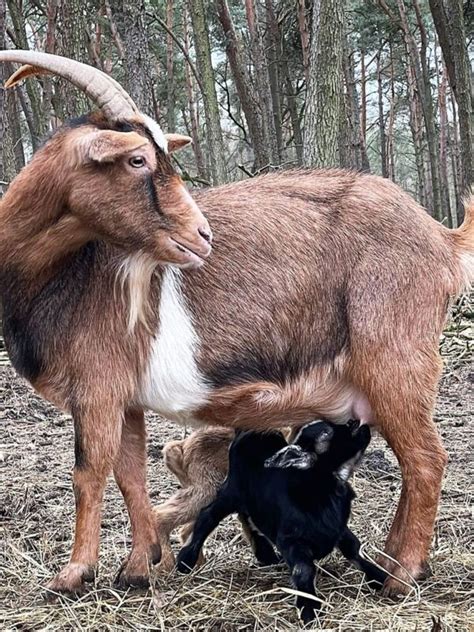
pixel 464 241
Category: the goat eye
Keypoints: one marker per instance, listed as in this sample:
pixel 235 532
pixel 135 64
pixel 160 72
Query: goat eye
pixel 137 162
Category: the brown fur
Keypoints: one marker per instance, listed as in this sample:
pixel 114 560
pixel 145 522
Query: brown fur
pixel 326 290
pixel 200 463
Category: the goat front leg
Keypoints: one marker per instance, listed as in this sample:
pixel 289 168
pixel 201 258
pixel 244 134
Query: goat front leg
pixel 131 476
pixel 206 522
pixel 303 572
pixel 97 440
pixel 349 545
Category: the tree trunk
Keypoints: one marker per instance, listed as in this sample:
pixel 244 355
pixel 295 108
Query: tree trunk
pixel 49 47
pixel 72 41
pixel 353 107
pixel 456 160
pixel 171 118
pixel 363 113
pixel 463 91
pixel 243 87
pixel 13 114
pixel 114 30
pixel 274 52
pixel 443 140
pixel 304 35
pixel 416 130
pixel 391 121
pixel 323 99
pixel 211 106
pixel 292 108
pixel 32 87
pixel 262 80
pixel 200 164
pixel 442 29
pixel 382 134
pixel 139 74
pixel 421 69
pixel 3 10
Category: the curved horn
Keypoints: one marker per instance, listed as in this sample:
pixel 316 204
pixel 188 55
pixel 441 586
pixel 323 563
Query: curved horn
pixel 104 91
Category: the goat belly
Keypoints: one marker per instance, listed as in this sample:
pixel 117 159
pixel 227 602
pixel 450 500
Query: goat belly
pixel 261 405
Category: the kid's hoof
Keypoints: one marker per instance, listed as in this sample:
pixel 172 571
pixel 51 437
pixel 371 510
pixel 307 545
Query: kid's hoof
pixel 185 563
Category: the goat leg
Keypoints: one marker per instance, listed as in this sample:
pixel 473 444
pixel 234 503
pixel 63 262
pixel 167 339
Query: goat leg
pixel 349 545
pixel 182 508
pixel 130 474
pixel 303 572
pixel 206 522
pixel 261 547
pixel 95 453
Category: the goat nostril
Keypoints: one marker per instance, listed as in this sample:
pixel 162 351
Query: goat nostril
pixel 205 234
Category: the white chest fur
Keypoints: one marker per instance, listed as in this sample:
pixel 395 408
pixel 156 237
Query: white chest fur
pixel 172 384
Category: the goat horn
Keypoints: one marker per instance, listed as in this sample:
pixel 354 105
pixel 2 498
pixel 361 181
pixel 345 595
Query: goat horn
pixel 104 91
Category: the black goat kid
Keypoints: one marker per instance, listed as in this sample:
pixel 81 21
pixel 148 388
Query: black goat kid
pixel 295 497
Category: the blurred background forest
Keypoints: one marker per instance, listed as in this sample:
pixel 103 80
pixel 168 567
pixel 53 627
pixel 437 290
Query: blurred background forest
pixel 378 85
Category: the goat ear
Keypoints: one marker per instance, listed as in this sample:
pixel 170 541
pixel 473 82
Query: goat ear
pixel 107 145
pixel 291 456
pixel 177 141
pixel 344 472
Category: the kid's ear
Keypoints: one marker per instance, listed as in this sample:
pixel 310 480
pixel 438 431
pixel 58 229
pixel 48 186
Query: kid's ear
pixel 176 142
pixel 291 456
pixel 106 145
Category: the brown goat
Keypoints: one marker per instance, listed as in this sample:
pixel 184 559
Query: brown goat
pixel 200 462
pixel 325 296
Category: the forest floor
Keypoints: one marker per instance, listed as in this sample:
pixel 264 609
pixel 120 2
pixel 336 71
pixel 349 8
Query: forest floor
pixel 229 592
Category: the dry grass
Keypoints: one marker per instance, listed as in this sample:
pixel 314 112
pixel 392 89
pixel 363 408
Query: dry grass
pixel 229 592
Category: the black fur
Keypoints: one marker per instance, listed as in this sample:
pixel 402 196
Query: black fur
pixel 79 453
pixel 152 194
pixel 267 361
pixel 31 323
pixel 297 499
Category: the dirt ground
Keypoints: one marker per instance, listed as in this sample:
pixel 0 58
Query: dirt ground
pixel 230 592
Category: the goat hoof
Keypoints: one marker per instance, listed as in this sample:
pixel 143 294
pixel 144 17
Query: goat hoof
pixel 124 581
pixel 307 615
pixel 425 572
pixel 135 570
pixel 393 588
pixel 133 575
pixel 185 563
pixel 70 580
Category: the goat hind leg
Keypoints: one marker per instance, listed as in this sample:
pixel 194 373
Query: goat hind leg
pixel 97 439
pixel 303 572
pixel 349 546
pixel 130 474
pixel 403 409
pixel 261 547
